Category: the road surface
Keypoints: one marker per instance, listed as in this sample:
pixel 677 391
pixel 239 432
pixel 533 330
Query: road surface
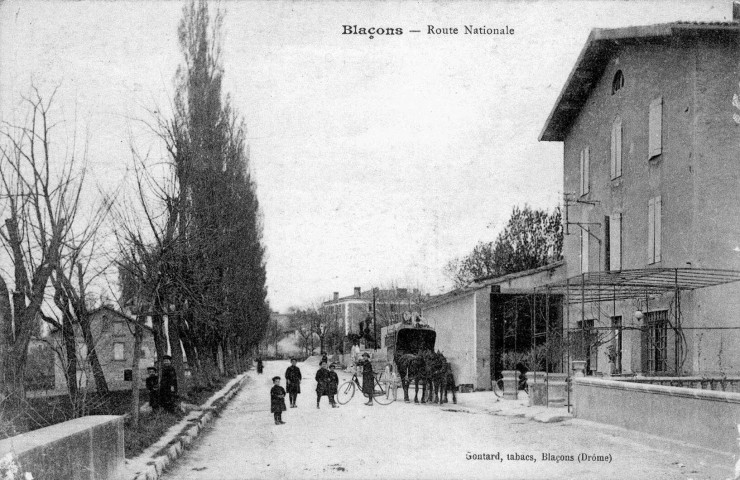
pixel 421 441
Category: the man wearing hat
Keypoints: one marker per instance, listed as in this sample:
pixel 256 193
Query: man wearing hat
pixel 293 379
pixel 152 384
pixel 168 385
pixel 368 378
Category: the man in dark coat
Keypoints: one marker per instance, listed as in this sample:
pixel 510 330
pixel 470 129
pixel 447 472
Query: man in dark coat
pixel 152 384
pixel 323 387
pixel 168 385
pixel 368 378
pixel 293 382
pixel 277 401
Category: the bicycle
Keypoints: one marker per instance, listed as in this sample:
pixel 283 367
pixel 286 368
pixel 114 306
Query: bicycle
pixel 346 391
pixel 498 386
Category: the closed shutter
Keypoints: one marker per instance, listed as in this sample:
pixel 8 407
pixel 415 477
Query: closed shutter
pixel 584 171
pixel 651 231
pixel 658 227
pixel 655 128
pixel 586 168
pixel 615 242
pixel 584 251
pixel 616 149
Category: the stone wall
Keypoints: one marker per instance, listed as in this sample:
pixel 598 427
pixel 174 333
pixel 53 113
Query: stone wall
pixel 702 417
pixel 80 449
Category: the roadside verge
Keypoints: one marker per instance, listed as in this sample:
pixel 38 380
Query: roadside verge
pixel 151 464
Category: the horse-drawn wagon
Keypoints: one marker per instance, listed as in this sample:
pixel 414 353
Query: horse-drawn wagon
pixel 412 349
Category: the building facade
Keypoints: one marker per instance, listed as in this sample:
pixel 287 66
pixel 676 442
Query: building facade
pixel 472 328
pixel 113 332
pixel 652 198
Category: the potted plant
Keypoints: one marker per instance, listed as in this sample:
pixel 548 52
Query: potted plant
pixel 510 360
pixel 612 356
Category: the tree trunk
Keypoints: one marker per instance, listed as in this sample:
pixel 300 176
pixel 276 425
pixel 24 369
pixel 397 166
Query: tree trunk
pixel 159 338
pixel 70 349
pixel 173 333
pixel 135 373
pixel 193 360
pixel 101 386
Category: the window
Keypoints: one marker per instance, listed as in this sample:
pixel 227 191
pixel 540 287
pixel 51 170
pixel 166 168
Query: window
pixel 655 207
pixel 585 344
pixel 117 329
pixel 584 250
pixel 613 242
pixel 617 82
pixel 657 341
pixel 616 149
pixel 585 181
pixel 144 352
pixel 118 351
pixel 655 128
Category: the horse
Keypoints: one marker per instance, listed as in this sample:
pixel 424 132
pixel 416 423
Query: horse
pixel 442 379
pixel 412 367
pixel 445 381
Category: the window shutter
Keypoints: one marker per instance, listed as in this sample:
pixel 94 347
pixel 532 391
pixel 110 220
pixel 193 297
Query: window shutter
pixel 615 242
pixel 607 244
pixel 584 251
pixel 658 227
pixel 586 169
pixel 617 148
pixel 651 231
pixel 655 128
pixel 583 189
pixel 613 154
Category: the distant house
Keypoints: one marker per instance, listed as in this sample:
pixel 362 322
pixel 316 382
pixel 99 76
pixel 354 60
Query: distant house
pixel 351 312
pixel 113 331
pixel 652 199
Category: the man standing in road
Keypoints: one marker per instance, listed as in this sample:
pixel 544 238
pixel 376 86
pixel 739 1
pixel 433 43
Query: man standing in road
pixel 368 378
pixel 323 384
pixel 168 385
pixel 293 379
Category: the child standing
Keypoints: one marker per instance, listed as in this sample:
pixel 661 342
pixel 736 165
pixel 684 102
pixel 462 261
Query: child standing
pixel 390 380
pixel 277 401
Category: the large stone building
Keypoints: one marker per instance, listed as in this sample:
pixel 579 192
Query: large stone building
pixel 114 345
pixel 356 313
pixel 652 194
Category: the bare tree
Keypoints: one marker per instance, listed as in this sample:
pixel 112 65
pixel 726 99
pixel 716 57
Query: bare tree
pixel 39 197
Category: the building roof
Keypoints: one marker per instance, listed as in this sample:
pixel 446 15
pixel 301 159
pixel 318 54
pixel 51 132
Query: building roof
pixel 601 45
pixel 366 296
pixel 485 282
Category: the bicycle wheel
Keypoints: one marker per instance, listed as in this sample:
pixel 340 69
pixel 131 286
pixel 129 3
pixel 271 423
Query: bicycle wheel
pixel 380 394
pixel 345 392
pixel 498 388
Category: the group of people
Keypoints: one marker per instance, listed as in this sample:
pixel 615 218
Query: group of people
pixel 163 391
pixel 327 382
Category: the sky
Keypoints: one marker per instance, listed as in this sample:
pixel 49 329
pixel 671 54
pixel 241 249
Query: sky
pixel 376 160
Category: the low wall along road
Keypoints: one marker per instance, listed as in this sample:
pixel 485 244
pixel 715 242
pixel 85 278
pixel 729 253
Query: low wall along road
pixel 701 417
pixel 84 448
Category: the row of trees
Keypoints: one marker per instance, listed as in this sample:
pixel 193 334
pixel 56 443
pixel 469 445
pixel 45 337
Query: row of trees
pixel 188 246
pixel 531 239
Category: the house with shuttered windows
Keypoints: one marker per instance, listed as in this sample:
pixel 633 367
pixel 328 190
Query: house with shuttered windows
pixel 652 199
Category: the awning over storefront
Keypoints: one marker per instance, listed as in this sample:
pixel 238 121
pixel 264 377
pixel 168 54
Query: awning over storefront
pixel 628 284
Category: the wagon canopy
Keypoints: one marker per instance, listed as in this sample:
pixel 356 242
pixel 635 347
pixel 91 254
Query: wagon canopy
pixel 415 339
